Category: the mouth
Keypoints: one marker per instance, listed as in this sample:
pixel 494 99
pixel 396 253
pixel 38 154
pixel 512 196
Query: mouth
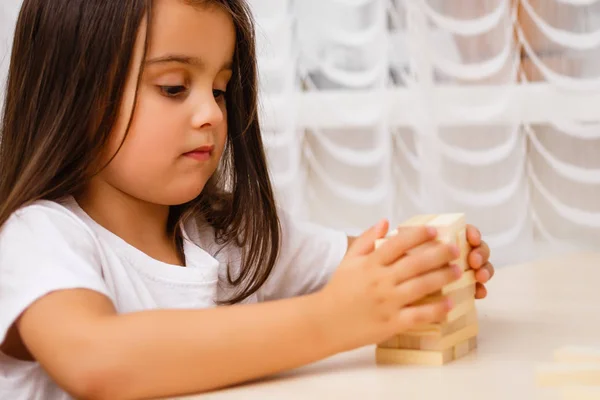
pixel 201 153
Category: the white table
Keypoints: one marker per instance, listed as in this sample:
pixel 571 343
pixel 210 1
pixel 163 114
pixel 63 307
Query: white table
pixel 531 310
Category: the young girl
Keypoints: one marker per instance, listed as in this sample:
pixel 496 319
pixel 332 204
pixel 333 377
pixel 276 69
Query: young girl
pixel 141 251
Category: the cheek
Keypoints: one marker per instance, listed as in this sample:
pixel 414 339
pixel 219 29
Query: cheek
pixel 221 140
pixel 222 133
pixel 146 149
pixel 152 135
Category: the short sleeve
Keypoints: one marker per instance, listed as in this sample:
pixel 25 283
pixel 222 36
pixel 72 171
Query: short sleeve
pixel 309 255
pixel 44 249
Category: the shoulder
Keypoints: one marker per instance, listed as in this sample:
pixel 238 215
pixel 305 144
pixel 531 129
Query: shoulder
pixel 59 214
pixel 45 247
pixel 45 244
pixel 45 223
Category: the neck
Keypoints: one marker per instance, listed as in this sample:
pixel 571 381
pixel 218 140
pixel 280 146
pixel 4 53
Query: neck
pixel 139 223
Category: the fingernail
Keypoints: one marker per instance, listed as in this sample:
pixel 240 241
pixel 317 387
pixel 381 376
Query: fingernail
pixel 431 231
pixel 449 304
pixel 485 275
pixel 478 260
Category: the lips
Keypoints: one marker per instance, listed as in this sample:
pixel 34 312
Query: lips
pixel 202 153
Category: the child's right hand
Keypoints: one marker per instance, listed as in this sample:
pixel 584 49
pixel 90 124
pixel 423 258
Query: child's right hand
pixel 369 297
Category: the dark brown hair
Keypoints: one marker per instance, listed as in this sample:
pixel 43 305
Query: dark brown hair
pixel 69 66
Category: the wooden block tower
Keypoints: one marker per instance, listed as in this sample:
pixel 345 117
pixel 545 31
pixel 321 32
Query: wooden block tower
pixel 454 337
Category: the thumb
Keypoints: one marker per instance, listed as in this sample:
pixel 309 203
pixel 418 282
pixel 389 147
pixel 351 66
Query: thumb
pixel 365 243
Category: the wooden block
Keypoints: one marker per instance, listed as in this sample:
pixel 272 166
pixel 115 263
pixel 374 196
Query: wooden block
pixel 407 342
pixel 432 332
pixel 385 356
pixel 452 228
pixel 467 279
pixel 391 343
pixel 446 328
pixel 458 296
pixel 379 242
pixel 463 300
pixel 565 374
pixel 462 315
pixel 419 220
pixel 437 343
pixel 464 348
pixel 448 225
pixel 414 357
pixel 581 393
pixel 465 249
pixel 459 310
pixel 570 354
pixel 452 340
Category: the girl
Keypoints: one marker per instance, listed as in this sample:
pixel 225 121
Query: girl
pixel 141 251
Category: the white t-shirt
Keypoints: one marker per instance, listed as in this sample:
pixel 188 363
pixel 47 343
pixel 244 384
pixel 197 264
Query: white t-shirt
pixel 50 246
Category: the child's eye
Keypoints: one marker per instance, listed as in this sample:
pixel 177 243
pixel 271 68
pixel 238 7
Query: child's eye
pixel 172 91
pixel 218 93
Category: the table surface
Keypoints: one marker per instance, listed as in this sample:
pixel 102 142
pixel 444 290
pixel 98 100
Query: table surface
pixel 531 310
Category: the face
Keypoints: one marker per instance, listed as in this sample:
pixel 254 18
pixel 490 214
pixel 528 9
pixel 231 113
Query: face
pixel 179 128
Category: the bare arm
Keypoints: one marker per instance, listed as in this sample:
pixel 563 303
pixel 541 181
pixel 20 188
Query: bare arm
pixel 94 353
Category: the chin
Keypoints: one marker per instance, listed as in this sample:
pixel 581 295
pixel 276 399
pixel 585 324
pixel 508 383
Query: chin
pixel 180 196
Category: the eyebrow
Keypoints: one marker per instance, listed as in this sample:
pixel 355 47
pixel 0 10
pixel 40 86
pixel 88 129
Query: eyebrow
pixel 193 61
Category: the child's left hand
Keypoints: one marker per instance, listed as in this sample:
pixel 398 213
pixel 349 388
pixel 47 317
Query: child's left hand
pixel 478 259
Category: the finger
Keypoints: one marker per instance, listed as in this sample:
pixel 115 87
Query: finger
pixel 485 273
pixel 424 285
pixel 473 236
pixel 429 257
pixel 480 291
pixel 413 316
pixel 407 238
pixel 479 256
pixel 365 243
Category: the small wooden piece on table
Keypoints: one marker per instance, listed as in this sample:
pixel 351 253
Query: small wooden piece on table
pixel 576 370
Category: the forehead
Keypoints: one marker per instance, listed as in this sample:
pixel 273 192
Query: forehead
pixel 202 31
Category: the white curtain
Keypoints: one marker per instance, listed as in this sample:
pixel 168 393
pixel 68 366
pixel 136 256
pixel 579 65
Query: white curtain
pixel 418 106
pixel 9 10
pixel 388 108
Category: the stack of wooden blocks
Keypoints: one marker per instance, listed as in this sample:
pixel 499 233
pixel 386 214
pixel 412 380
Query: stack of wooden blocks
pixel 575 370
pixel 456 335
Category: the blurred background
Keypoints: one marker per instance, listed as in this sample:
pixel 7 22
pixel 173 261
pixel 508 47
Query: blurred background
pixel 390 108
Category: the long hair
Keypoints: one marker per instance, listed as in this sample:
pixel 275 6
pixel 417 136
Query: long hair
pixel 69 66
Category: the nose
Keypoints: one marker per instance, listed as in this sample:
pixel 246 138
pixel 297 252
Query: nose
pixel 208 112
